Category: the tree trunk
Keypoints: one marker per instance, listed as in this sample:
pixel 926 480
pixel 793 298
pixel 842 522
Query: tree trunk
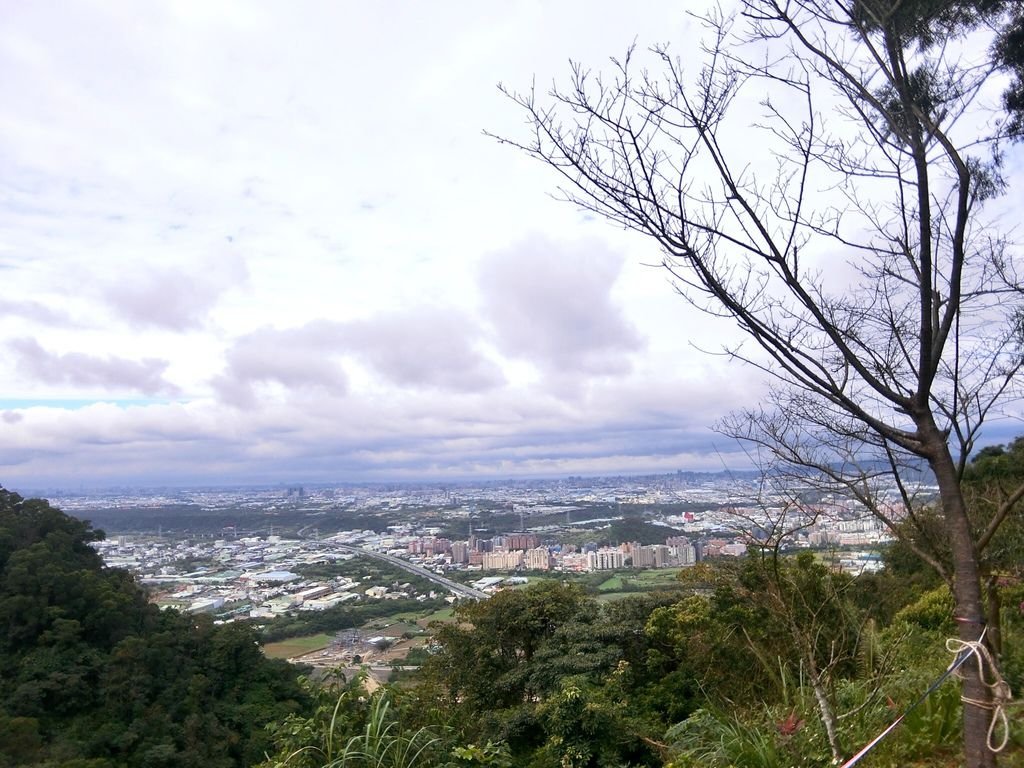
pixel 968 606
pixel 994 610
pixel 828 718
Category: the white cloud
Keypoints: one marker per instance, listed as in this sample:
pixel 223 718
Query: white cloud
pixel 424 348
pixel 33 310
pixel 301 358
pixel 175 297
pixel 90 371
pixel 551 304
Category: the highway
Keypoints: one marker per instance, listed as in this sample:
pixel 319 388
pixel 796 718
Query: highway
pixel 452 586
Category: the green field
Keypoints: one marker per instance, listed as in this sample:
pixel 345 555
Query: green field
pixel 610 585
pixel 392 628
pixel 297 646
pixel 444 614
pixel 409 616
pixel 639 581
pixel 662 577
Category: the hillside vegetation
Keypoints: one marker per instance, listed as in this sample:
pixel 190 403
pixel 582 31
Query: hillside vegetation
pixel 737 673
pixel 92 675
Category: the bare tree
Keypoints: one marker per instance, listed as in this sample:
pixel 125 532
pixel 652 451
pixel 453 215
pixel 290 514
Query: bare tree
pixel 840 228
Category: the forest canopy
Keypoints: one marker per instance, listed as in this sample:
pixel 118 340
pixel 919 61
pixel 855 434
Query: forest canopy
pixel 93 675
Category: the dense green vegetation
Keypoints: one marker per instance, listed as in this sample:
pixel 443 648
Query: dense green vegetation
pixel 745 670
pixel 94 676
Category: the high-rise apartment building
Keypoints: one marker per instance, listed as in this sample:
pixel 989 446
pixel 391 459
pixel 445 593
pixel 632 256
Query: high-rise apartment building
pixel 522 541
pixel 605 559
pixel 460 552
pixel 502 561
pixel 538 559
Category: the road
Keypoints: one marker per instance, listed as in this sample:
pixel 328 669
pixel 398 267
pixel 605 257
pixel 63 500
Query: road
pixel 452 586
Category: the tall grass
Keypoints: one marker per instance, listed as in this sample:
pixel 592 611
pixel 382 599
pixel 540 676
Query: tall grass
pixel 717 740
pixel 382 743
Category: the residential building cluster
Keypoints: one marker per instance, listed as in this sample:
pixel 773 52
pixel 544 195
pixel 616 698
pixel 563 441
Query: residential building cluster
pixel 527 551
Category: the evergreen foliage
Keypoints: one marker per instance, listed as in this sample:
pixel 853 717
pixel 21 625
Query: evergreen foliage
pixel 95 676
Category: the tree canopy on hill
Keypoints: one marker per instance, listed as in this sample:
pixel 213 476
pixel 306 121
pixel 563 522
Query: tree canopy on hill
pixel 95 676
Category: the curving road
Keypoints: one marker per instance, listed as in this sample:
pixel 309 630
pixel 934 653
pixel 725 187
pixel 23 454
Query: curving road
pixel 452 586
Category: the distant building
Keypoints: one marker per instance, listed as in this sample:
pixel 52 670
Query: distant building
pixel 502 561
pixel 460 552
pixel 605 559
pixel 522 541
pixel 206 605
pixel 538 559
pixel 662 555
pixel 314 592
pixel 640 556
pixel 574 561
pixel 328 601
pixel 685 553
pixel 429 546
pixel 822 538
pixel 488 583
pixel 273 577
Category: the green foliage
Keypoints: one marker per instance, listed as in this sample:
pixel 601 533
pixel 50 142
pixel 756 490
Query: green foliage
pixel 93 674
pixel 989 483
pixel 489 755
pixel 349 728
pixel 755 627
pixel 1010 55
pixel 933 610
pixel 350 731
pixel 931 22
pixel 584 727
pixel 486 658
pixel 546 677
pixel 935 722
pixel 542 667
pixel 714 740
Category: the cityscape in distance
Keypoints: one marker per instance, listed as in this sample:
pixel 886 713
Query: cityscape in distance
pixel 277 550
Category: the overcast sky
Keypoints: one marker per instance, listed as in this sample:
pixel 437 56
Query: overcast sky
pixel 263 242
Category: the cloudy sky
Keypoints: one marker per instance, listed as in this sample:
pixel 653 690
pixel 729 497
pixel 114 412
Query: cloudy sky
pixel 263 242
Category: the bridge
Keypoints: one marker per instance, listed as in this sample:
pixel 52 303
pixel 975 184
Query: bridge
pixel 461 590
